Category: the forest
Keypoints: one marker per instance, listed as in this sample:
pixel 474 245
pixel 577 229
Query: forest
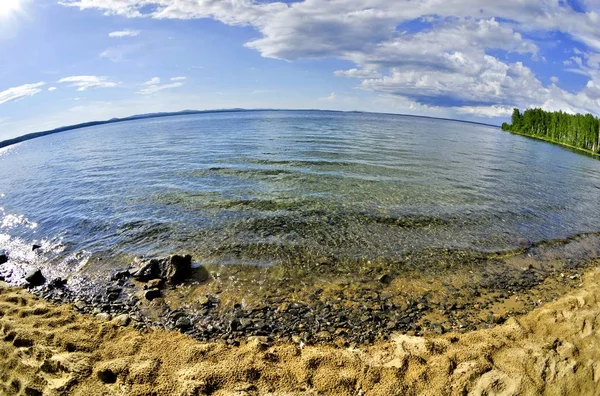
pixel 575 130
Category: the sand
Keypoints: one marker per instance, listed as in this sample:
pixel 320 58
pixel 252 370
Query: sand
pixel 52 350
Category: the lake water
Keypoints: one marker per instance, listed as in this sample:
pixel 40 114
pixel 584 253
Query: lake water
pixel 266 187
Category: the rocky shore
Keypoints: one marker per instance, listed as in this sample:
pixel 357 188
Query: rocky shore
pixel 50 349
pixel 215 304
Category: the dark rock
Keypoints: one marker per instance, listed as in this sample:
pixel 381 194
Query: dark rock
pixel 178 269
pixel 35 278
pixel 152 294
pixel 57 283
pixel 107 376
pixel 201 274
pixel 385 279
pixel 113 296
pixel 174 269
pixel 35 247
pixel 183 323
pixel 122 274
pixel 3 257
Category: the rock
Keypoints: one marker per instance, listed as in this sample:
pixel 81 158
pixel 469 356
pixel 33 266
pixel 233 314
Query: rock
pixel 113 296
pixel 35 278
pixel 4 285
pixel 3 257
pixel 155 284
pixel 121 320
pixel 183 323
pixel 324 335
pixel 121 274
pixel 104 316
pixel 107 376
pixel 80 305
pixel 57 283
pixel 146 270
pixel 201 274
pixel 385 279
pixel 152 294
pixel 35 247
pixel 178 269
pixel 438 329
pixel 203 300
pixel 174 269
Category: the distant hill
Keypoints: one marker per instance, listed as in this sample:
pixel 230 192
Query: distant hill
pixel 34 135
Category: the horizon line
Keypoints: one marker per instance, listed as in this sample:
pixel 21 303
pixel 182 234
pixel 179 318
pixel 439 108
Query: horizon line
pixel 136 117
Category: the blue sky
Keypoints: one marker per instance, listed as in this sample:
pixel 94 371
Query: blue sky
pixel 70 61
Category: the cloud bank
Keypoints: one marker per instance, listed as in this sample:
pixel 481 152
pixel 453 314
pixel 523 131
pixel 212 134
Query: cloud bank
pixel 463 55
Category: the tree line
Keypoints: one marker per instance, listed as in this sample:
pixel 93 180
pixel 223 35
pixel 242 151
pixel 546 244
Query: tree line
pixel 577 130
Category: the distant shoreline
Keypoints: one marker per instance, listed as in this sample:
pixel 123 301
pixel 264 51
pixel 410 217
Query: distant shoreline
pixel 35 135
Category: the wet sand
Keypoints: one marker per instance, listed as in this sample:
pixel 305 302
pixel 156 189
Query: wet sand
pixel 52 349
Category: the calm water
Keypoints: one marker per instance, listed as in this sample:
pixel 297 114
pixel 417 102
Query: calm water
pixel 262 187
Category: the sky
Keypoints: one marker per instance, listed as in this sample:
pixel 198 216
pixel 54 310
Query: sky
pixel 70 61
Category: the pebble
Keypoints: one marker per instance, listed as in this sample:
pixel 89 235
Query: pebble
pixel 385 279
pixel 182 323
pixel 152 294
pixel 121 320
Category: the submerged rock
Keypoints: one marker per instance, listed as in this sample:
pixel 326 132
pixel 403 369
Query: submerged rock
pixel 35 278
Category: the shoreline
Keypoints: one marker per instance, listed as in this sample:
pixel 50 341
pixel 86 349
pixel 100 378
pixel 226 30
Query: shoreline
pixel 557 143
pixel 329 302
pixel 52 349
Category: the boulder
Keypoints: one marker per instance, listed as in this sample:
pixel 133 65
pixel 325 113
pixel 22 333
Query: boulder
pixel 174 269
pixel 35 278
pixel 3 257
pixel 35 247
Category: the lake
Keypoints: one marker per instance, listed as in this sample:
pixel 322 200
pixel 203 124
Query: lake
pixel 278 186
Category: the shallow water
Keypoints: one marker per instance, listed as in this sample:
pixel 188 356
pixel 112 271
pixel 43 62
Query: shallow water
pixel 267 187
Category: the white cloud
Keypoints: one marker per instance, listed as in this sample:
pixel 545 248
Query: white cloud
pixel 152 81
pixel 83 83
pixel 447 63
pixel 22 91
pixel 153 85
pixel 52 89
pixel 124 33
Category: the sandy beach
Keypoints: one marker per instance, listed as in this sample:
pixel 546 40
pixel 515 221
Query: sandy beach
pixel 49 349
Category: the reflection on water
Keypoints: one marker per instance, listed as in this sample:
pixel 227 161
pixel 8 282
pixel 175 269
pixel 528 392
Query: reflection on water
pixel 269 186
